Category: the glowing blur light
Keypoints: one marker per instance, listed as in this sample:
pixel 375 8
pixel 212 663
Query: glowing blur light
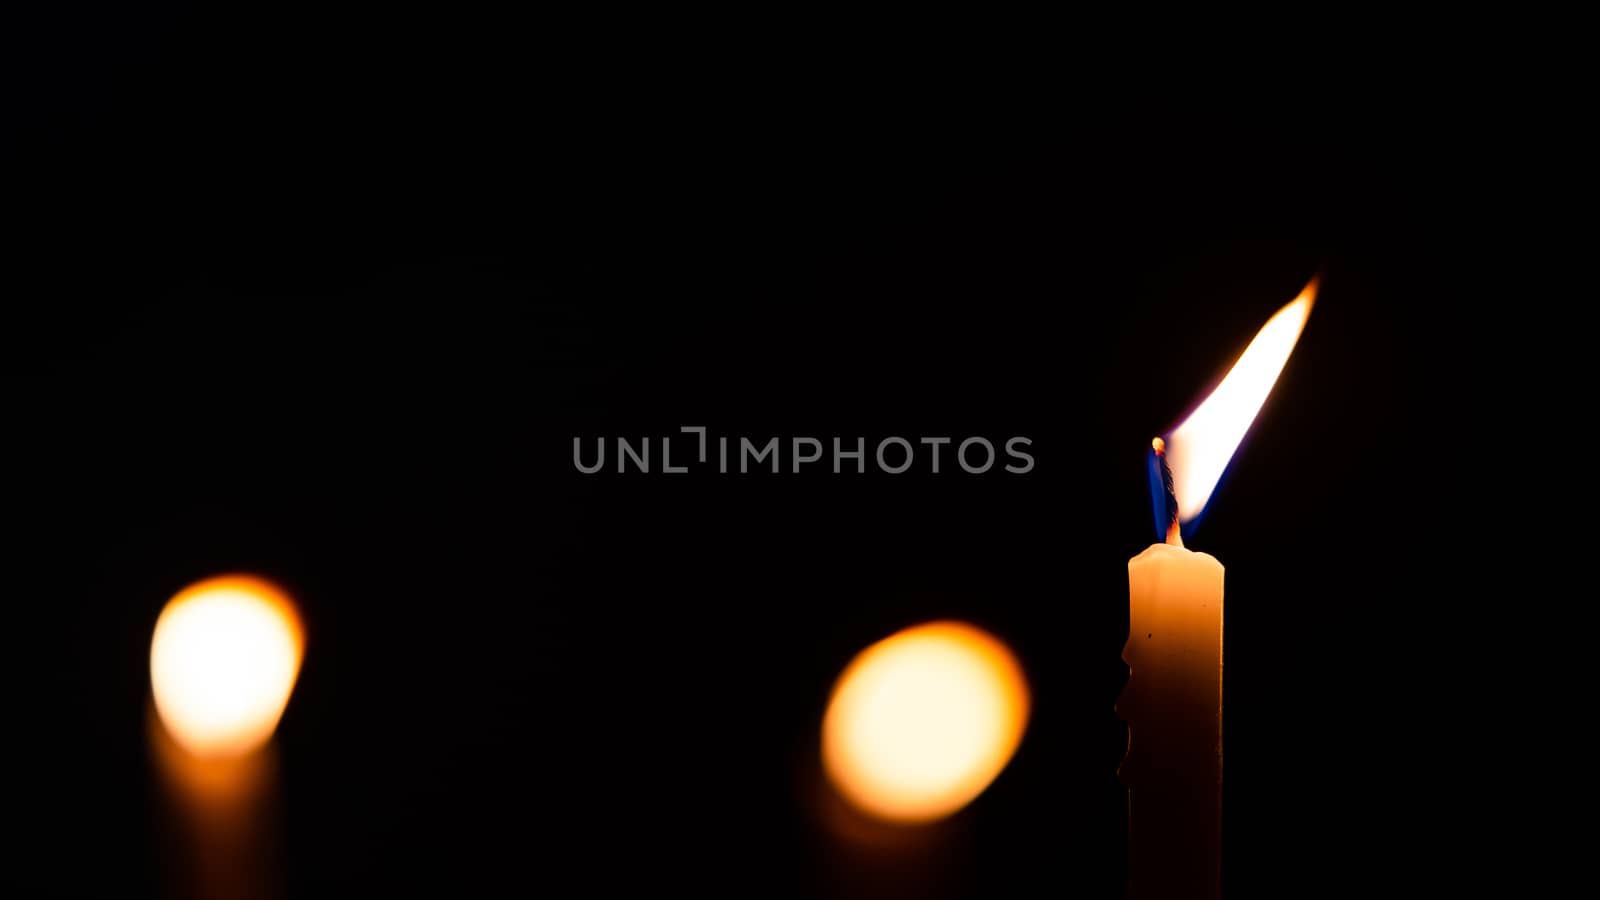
pixel 921 722
pixel 1199 450
pixel 223 662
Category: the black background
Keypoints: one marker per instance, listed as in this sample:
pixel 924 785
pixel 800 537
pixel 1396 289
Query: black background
pixel 329 300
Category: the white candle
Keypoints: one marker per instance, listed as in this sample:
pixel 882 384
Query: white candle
pixel 1173 699
pixel 1173 706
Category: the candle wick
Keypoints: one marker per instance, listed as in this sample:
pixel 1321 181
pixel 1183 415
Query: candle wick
pixel 1164 496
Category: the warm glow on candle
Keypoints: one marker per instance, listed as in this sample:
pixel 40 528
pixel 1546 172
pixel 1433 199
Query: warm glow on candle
pixel 1198 450
pixel 223 661
pixel 921 722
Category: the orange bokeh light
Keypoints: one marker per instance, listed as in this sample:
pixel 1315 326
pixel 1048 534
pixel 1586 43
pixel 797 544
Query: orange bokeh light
pixel 923 721
pixel 223 661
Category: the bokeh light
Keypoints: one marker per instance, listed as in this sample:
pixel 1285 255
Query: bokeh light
pixel 921 722
pixel 223 662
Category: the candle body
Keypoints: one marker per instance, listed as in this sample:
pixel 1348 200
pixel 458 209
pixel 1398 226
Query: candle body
pixel 1173 706
pixel 220 820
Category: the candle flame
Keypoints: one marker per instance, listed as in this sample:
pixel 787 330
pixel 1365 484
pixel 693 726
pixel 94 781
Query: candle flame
pixel 223 661
pixel 1198 450
pixel 921 722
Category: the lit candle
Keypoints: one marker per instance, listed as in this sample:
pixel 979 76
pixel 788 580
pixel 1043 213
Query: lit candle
pixel 223 661
pixel 1173 700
